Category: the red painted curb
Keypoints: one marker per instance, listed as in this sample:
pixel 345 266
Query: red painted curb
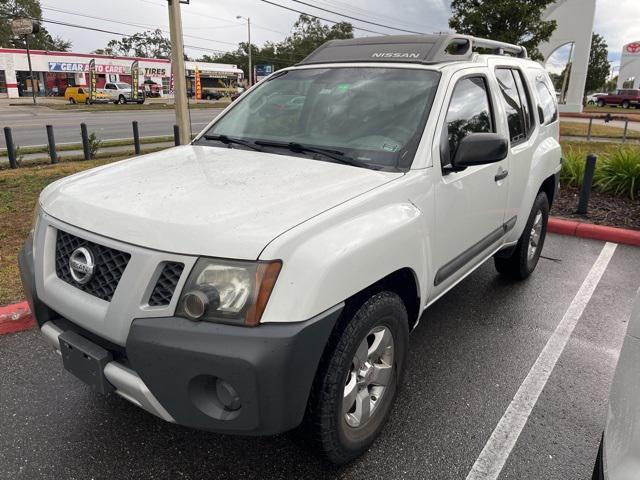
pixel 596 232
pixel 16 318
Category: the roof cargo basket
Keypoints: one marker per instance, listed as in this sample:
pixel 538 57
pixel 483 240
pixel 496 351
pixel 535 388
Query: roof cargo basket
pixel 424 49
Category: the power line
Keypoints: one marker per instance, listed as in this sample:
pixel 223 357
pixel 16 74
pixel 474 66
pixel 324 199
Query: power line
pixel 319 18
pixel 190 47
pixel 355 18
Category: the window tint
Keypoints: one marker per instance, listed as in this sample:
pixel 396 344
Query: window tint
pixel 512 104
pixel 525 100
pixel 469 112
pixel 547 102
pixel 110 86
pixel 80 91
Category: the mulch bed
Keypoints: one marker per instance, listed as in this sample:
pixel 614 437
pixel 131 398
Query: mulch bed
pixel 604 209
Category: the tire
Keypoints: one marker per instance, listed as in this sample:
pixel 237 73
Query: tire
pixel 626 104
pixel 590 102
pixel 524 258
pixel 208 97
pixel 72 100
pixel 341 437
pixel 598 468
pixel 601 103
pixel 87 102
pixel 122 100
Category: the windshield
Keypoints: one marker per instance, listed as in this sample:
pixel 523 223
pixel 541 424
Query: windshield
pixel 374 116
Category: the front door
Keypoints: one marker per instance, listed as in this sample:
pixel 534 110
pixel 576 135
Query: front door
pixel 470 205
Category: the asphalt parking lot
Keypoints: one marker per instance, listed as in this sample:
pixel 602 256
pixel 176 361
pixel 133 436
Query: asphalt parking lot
pixel 468 358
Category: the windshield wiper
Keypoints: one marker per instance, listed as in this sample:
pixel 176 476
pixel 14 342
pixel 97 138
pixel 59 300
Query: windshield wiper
pixel 336 155
pixel 229 140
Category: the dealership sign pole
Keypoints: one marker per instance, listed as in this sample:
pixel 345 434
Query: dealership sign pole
pixel 26 27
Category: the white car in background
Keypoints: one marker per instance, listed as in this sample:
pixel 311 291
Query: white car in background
pixel 120 92
pixel 592 98
pixel 619 454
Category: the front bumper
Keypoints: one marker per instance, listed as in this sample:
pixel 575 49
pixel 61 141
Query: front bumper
pixel 181 370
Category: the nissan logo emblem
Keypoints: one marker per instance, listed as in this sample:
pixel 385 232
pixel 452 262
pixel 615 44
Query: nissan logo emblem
pixel 81 265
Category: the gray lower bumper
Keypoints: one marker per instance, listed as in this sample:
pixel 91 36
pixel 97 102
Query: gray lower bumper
pixel 126 382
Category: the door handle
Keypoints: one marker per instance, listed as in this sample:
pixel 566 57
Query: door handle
pixel 501 175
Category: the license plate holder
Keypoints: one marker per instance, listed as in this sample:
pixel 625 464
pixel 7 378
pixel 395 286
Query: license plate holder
pixel 85 360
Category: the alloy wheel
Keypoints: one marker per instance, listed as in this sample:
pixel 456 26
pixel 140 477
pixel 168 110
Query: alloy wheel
pixel 370 375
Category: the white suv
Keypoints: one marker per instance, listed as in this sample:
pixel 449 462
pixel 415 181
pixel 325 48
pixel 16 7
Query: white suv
pixel 268 275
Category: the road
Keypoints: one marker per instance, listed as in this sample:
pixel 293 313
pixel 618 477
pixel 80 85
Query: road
pixel 614 123
pixel 28 123
pixel 468 358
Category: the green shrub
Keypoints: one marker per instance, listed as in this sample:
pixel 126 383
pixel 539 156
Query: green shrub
pixel 572 171
pixel 95 144
pixel 619 174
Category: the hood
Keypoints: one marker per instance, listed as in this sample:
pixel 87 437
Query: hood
pixel 202 200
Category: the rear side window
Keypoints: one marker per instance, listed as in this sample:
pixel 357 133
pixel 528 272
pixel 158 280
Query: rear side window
pixel 547 101
pixel 516 101
pixel 469 112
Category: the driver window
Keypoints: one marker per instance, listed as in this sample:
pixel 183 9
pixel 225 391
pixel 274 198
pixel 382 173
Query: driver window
pixel 469 112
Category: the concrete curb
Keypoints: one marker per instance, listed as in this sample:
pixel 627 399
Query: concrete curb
pixel 596 232
pixel 16 318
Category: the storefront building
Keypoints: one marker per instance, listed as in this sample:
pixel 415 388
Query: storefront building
pixel 53 72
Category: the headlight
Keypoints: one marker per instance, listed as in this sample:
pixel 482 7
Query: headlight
pixel 228 291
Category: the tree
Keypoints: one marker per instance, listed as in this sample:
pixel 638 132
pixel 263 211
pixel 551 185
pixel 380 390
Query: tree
pixel 599 66
pixel 10 9
pixel 148 44
pixel 504 20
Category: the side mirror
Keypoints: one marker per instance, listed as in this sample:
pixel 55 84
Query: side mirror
pixel 479 149
pixel 541 115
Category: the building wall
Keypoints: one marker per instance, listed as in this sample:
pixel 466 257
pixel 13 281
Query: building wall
pixel 630 65
pixel 108 68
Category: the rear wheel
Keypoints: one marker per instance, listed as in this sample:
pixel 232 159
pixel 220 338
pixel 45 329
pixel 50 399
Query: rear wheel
pixel 122 100
pixel 72 100
pixel 626 104
pixel 601 103
pixel 524 258
pixel 358 377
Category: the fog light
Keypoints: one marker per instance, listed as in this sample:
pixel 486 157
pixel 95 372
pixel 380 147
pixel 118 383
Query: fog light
pixel 196 302
pixel 227 395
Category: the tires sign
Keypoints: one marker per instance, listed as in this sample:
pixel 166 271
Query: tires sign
pixel 24 26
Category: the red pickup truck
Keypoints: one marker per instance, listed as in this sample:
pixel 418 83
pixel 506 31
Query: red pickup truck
pixel 624 98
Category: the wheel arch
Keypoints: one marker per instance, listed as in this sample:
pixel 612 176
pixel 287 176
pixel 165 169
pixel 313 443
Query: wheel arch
pixel 549 187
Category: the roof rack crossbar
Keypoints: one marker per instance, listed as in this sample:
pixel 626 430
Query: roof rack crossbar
pixel 500 47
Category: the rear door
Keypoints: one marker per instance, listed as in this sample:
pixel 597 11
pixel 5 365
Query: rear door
pixel 470 204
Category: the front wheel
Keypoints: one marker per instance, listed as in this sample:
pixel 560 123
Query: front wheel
pixel 524 258
pixel 626 104
pixel 358 378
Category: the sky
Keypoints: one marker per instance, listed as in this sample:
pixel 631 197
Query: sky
pixel 211 25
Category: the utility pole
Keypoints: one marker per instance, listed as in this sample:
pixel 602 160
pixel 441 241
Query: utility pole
pixel 249 48
pixel 177 68
pixel 33 85
pixel 26 27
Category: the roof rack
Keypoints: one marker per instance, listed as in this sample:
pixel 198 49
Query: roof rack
pixel 424 49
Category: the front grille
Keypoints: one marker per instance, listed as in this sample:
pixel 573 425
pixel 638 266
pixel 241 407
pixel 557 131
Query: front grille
pixel 166 284
pixel 109 265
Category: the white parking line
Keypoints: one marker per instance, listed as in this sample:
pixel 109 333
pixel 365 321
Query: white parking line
pixel 497 450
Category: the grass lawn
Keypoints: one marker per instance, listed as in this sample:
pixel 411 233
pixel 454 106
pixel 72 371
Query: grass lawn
pixel 19 190
pixel 611 110
pixel 597 130
pixel 109 107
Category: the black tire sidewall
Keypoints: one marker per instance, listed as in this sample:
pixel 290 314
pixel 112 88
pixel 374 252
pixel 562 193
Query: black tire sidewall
pixel 527 266
pixel 342 443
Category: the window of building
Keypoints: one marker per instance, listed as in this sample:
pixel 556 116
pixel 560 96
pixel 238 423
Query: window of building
pixel 547 101
pixel 3 82
pixel 469 112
